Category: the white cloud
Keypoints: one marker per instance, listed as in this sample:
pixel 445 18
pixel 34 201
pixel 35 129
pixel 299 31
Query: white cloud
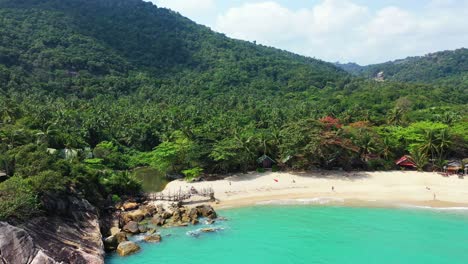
pixel 343 30
pixel 190 8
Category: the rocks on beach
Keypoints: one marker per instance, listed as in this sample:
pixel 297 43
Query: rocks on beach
pixel 135 218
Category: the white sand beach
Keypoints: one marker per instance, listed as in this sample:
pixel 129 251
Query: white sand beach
pixel 353 188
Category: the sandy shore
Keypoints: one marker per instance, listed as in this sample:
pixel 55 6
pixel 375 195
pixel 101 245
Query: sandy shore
pixel 395 188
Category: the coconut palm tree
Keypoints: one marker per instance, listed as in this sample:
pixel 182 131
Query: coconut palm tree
pixel 430 144
pixel 419 158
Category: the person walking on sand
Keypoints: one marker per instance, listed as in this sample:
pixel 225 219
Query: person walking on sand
pixel 434 196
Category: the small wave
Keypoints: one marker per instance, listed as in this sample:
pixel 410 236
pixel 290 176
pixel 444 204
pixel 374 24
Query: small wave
pixel 303 201
pixel 434 208
pixel 198 232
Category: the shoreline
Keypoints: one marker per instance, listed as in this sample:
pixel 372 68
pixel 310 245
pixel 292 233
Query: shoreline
pixel 392 189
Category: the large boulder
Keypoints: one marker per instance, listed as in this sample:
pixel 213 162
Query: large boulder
pixel 154 238
pixel 206 211
pixel 131 227
pixel 127 248
pixel 137 215
pixel 110 243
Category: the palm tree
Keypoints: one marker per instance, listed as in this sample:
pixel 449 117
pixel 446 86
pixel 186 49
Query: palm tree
pixel 395 116
pixel 420 158
pixel 444 142
pixel 430 144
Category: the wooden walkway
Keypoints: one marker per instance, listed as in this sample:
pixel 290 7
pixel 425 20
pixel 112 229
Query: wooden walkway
pixel 181 196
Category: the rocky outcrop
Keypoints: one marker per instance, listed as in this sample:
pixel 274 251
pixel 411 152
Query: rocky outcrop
pixel 71 235
pixel 17 246
pixel 206 211
pixel 127 248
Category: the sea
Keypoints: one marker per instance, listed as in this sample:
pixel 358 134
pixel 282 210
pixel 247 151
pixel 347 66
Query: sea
pixel 277 233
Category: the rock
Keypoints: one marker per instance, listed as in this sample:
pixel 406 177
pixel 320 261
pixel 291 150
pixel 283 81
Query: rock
pixel 142 228
pixel 114 231
pixel 195 221
pixel 110 243
pixel 69 234
pixel 151 231
pixel 186 219
pixel 121 237
pixel 159 209
pixel 208 230
pixel 127 248
pixel 206 211
pixel 131 227
pixel 151 209
pixel 177 224
pixel 210 221
pixel 193 213
pixel 166 215
pixel 17 246
pixel 153 238
pixel 158 220
pixel 176 216
pixel 130 206
pixel 137 215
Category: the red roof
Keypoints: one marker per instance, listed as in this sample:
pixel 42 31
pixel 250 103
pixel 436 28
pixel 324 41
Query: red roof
pixel 406 161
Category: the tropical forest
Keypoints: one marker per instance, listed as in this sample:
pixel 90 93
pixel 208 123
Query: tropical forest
pixel 90 90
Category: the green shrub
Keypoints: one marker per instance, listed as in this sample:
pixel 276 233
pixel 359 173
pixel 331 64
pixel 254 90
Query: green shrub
pixel 275 168
pixel 17 199
pixel 116 198
pixel 120 183
pixel 260 170
pixel 193 173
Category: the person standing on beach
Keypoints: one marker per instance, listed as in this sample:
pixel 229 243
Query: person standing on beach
pixel 434 196
pixel 333 188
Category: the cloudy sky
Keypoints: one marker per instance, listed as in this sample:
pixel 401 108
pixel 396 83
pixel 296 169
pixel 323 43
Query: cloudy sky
pixel 362 31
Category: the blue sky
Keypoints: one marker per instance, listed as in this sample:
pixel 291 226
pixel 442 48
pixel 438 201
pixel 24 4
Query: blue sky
pixel 361 31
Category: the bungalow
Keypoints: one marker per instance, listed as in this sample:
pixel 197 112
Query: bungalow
pixel 453 167
pixel 406 161
pixel 266 162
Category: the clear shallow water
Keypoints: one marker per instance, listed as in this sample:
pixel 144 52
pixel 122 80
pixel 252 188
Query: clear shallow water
pixel 310 234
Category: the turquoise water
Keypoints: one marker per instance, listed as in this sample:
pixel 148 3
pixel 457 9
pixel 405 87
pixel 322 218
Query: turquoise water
pixel 309 234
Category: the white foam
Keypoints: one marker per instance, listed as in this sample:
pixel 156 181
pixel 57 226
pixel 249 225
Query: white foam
pixel 434 208
pixel 303 201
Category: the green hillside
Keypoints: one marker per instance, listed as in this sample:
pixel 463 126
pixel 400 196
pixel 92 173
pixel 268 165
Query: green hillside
pixel 91 89
pixel 431 68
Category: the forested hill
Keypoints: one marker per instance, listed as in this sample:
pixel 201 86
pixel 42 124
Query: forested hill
pixel 44 39
pixel 92 89
pixel 431 68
